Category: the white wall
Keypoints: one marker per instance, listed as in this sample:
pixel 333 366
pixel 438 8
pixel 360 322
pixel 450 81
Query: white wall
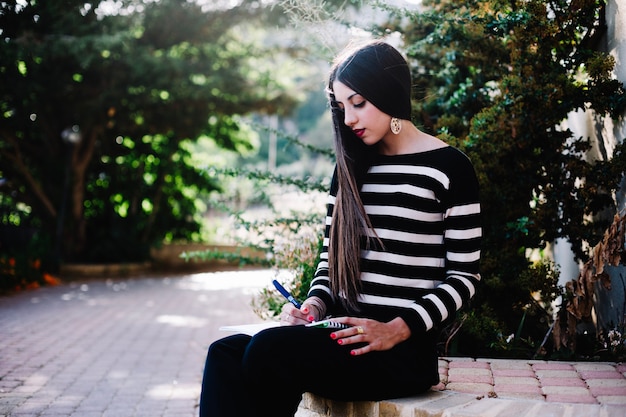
pixel 616 46
pixel 605 134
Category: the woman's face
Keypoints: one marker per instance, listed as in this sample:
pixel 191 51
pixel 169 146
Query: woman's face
pixel 366 121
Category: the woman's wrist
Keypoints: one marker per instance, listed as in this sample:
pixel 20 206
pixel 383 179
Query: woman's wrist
pixel 316 303
pixel 400 329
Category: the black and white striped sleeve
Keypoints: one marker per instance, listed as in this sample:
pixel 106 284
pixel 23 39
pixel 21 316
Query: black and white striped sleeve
pixel 462 239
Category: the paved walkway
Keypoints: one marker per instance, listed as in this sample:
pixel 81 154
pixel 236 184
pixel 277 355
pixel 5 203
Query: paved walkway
pixel 135 347
pixel 119 347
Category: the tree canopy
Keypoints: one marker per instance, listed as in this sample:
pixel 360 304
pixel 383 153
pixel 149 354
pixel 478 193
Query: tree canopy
pixel 497 79
pixel 133 85
pixel 138 84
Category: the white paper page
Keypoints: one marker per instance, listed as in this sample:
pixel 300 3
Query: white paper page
pixel 250 329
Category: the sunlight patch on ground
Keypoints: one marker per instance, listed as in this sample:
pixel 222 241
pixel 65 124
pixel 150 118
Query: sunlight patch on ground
pixel 174 391
pixel 182 321
pixel 36 380
pixel 250 280
pixel 118 374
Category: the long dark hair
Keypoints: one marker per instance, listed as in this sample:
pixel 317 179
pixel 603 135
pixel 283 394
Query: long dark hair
pixel 351 229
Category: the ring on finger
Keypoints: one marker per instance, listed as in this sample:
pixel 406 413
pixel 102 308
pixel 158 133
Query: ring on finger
pixel 359 330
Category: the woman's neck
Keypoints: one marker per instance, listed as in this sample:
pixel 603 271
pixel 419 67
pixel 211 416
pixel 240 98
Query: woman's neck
pixel 409 140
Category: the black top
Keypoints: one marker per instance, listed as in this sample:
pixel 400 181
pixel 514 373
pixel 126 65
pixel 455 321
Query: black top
pixel 425 209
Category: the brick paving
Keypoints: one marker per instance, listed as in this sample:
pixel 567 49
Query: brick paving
pixel 134 347
pixel 584 383
pixel 499 388
pixel 116 347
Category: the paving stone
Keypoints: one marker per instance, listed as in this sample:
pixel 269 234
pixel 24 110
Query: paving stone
pixel 565 390
pixel 604 390
pixel 521 388
pixel 468 377
pixel 98 348
pixel 508 364
pixel 571 398
pixel 471 388
pixel 593 366
pixel 563 382
pixel 468 371
pixel 82 413
pixel 557 373
pixel 601 374
pixel 517 380
pixel 555 366
pixel 513 372
pixel 606 382
pixel 468 365
pixel 136 347
pixel 612 399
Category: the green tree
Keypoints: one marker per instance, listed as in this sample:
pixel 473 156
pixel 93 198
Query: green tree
pixel 497 78
pixel 137 84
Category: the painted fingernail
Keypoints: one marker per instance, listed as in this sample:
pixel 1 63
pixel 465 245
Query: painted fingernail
pixel 310 318
pixel 340 341
pixel 353 353
pixel 305 310
pixel 333 336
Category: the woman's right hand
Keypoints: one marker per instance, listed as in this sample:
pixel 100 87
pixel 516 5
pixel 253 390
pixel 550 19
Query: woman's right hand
pixel 291 316
pixel 311 310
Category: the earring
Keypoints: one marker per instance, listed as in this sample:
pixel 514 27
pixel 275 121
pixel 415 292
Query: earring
pixel 396 125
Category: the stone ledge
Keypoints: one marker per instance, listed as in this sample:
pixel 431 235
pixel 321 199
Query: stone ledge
pixel 168 257
pixel 519 388
pixel 452 404
pixel 165 259
pixel 104 270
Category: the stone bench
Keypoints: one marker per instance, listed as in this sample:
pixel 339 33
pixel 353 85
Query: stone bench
pixel 498 388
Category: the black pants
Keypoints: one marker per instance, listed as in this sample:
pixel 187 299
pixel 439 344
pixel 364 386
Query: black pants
pixel 267 374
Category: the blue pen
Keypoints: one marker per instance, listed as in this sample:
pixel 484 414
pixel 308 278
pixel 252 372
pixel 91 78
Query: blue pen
pixel 286 294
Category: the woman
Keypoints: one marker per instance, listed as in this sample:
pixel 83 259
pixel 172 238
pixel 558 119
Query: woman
pixel 400 257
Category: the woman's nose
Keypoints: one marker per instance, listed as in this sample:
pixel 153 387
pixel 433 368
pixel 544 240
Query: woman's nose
pixel 349 118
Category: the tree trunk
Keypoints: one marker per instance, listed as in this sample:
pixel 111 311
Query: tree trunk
pixel 81 157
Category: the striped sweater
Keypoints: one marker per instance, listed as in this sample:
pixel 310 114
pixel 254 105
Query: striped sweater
pixel 425 209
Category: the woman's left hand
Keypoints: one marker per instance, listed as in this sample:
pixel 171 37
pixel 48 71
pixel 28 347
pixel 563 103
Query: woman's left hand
pixel 375 334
